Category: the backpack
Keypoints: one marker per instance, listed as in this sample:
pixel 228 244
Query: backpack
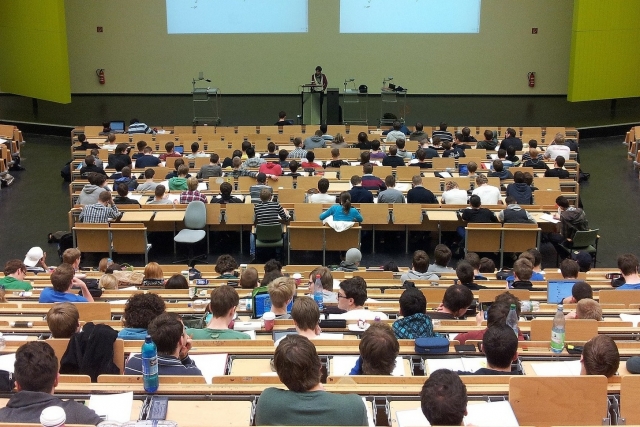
pixel 65 242
pixel 65 172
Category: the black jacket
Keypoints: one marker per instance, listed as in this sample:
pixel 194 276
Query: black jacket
pixel 360 195
pixel 90 352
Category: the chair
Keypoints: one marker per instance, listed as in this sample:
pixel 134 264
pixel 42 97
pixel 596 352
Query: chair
pixel 269 236
pixel 130 238
pixel 195 220
pixel 583 241
pixel 576 329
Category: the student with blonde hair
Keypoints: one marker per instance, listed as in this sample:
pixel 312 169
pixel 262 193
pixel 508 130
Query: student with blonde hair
pixel 281 291
pixel 63 320
pixel 108 281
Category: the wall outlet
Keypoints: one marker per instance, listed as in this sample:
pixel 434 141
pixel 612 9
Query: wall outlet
pixel 99 29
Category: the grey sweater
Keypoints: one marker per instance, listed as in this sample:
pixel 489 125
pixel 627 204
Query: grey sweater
pixel 26 406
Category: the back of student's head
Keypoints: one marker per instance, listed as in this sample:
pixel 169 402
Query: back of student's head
pixel 192 183
pixel 141 309
pixel 412 301
pixel 149 173
pixel 473 259
pixel 249 278
pixel 560 160
pixel 159 191
pixel 281 291
pixel 61 277
pixel 223 299
pixel 569 269
pixel 443 398
pixel 420 261
pixel 367 168
pixel 36 367
pixel 497 313
pixel 581 290
pixel 600 356
pixel 628 264
pixel 498 166
pixel 323 185
pixel 71 255
pixel 297 363
pixel 282 155
pixel 523 269
pixel 465 272
pixel 177 281
pixel 537 256
pixel 508 298
pixel 63 319
pixel 500 345
pixel 390 181
pixel 166 331
pixel 475 201
pixel 457 297
pixel 588 309
pixel 379 348
pixel 442 255
pixel 305 313
pixel 487 265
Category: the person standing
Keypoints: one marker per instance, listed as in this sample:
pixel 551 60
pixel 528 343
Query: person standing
pixel 320 80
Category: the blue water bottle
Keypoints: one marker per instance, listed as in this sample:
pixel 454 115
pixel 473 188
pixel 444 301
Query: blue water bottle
pixel 317 293
pixel 149 355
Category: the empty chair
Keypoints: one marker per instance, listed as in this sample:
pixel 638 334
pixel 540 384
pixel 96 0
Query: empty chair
pixel 195 220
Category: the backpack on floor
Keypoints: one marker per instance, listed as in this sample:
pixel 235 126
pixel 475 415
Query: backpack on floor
pixel 65 242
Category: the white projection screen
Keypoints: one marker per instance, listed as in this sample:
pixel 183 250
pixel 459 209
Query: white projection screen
pixel 237 16
pixel 410 16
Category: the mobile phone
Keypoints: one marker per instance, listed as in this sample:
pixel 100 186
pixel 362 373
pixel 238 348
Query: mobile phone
pixel 485 314
pixel 613 275
pixel 201 282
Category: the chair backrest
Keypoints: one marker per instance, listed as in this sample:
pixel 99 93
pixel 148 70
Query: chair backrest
pixel 291 195
pixel 374 213
pixel 544 197
pixel 629 391
pixel 213 213
pixel 239 214
pixel 547 401
pixel 489 295
pixel 129 238
pixel 92 237
pixel 60 345
pixel 269 233
pixel 582 239
pixel 196 215
pixel 483 237
pixel 519 237
pixel 309 212
pixel 619 296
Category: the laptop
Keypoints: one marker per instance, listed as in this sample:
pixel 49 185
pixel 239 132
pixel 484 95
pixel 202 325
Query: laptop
pixel 179 149
pixel 557 290
pixel 463 170
pixel 117 126
pixel 281 334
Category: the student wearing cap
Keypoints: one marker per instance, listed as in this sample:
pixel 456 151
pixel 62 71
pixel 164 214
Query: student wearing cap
pixel 351 260
pixel 35 260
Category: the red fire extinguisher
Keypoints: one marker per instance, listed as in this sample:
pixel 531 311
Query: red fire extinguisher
pixel 100 74
pixel 532 79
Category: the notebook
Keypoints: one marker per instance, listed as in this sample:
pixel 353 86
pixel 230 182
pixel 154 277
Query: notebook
pixel 557 290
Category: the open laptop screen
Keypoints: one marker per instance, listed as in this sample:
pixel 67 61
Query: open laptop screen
pixel 117 126
pixel 263 304
pixel 557 290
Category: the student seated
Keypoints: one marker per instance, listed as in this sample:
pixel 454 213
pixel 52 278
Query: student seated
pixel 351 297
pixel 496 316
pixel 419 268
pixel 457 299
pixel 326 278
pixel 36 376
pixel 177 281
pixel 500 346
pixel 249 279
pixel 223 304
pixel 379 348
pixel 168 334
pixel 63 320
pixel 281 292
pixel 579 291
pixel 14 273
pixel 586 309
pixel 305 402
pixel 465 274
pixel 522 272
pixel 63 280
pixel 139 311
pixel 600 356
pixel 443 399
pixel 414 322
pixel 306 317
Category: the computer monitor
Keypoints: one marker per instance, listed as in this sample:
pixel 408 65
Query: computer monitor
pixel 557 290
pixel 117 126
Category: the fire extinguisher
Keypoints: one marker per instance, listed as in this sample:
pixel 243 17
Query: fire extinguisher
pixel 100 74
pixel 532 79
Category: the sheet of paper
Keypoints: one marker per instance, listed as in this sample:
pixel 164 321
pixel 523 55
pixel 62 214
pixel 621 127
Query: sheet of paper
pixel 342 365
pixel 7 361
pixel 633 318
pixel 480 414
pixel 549 369
pixel 135 196
pixel 549 218
pixel 202 186
pixel 12 337
pixel 2 140
pixel 370 419
pixel 404 187
pixel 211 365
pixel 174 197
pixel 116 407
pixel 445 174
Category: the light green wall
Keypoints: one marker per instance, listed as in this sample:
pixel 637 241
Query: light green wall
pixel 604 51
pixel 140 57
pixel 33 49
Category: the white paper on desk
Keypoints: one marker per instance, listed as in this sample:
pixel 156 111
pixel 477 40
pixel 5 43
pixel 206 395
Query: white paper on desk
pixel 328 336
pixel 549 218
pixel 2 140
pixel 633 318
pixel 202 186
pixel 7 361
pixel 481 414
pixel 174 197
pixel 553 369
pixel 466 364
pixel 401 186
pixel 493 156
pixel 165 183
pixel 342 365
pixel 135 196
pixel 445 174
pixel 368 405
pixel 12 337
pixel 211 365
pixel 116 407
pixel 117 301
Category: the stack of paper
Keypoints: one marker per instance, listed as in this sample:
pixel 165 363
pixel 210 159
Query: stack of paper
pixel 481 414
pixel 553 369
pixel 466 364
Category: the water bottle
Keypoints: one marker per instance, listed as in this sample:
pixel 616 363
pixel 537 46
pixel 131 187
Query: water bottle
pixel 512 319
pixel 317 292
pixel 149 365
pixel 557 331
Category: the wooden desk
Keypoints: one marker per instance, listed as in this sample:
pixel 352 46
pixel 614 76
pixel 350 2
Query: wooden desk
pixel 172 215
pixel 137 216
pixel 197 413
pixel 447 216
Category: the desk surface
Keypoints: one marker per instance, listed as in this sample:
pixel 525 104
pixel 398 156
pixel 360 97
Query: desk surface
pixel 442 215
pixel 169 215
pixel 137 216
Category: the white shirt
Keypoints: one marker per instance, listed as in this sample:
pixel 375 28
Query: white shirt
pixel 363 314
pixel 554 151
pixel 455 196
pixel 322 198
pixel 489 195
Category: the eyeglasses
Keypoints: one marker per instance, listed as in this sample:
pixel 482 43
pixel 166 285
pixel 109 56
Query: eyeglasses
pixel 342 296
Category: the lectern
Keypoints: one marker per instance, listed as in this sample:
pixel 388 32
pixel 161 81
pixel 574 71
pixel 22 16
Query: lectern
pixel 310 96
pixel 205 103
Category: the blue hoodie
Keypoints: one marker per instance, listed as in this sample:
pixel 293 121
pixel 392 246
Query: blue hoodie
pixel 133 334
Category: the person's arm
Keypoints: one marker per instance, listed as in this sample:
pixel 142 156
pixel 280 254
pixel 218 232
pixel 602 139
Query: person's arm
pixel 43 260
pixel 357 216
pixel 114 211
pixel 83 287
pixel 324 215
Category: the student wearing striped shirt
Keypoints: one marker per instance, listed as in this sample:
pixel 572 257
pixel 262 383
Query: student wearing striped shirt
pixel 168 333
pixel 267 212
pixel 136 126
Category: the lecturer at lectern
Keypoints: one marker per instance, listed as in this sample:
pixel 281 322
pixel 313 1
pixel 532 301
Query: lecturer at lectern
pixel 320 79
